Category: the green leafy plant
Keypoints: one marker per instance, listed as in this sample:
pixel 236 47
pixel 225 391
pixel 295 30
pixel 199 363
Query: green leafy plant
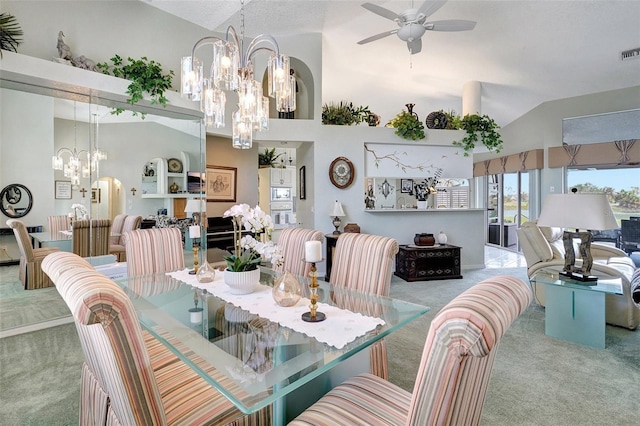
pixel 145 75
pixel 10 33
pixel 268 157
pixel 454 122
pixel 480 129
pixel 344 114
pixel 407 126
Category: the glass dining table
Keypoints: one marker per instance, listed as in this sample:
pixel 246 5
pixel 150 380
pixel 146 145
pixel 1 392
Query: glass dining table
pixel 255 360
pixel 61 239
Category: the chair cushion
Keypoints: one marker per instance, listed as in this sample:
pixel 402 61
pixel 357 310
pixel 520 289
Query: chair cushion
pixel 362 400
pixel 554 238
pixel 537 241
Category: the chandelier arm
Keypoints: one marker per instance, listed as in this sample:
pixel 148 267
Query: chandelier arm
pixel 203 42
pixel 234 35
pixel 262 38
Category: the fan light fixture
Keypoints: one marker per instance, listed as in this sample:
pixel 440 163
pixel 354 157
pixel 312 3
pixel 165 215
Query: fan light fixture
pixel 232 70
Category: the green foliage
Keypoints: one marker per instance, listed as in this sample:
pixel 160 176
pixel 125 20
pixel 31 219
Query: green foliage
pixel 247 261
pixel 480 129
pixel 407 126
pixel 268 157
pixel 454 122
pixel 10 33
pixel 145 75
pixel 344 114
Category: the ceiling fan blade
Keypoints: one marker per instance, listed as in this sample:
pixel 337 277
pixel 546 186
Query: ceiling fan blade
pixel 379 10
pixel 377 37
pixel 450 25
pixel 415 46
pixel 430 7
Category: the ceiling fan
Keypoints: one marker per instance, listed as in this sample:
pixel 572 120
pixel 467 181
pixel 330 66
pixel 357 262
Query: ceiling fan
pixel 412 23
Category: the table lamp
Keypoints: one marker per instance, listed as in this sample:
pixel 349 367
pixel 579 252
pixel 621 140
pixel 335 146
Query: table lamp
pixel 337 213
pixel 590 212
pixel 195 208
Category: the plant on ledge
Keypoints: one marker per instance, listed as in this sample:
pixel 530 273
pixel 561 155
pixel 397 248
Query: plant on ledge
pixel 268 157
pixel 145 76
pixel 249 251
pixel 10 33
pixel 344 114
pixel 407 126
pixel 481 129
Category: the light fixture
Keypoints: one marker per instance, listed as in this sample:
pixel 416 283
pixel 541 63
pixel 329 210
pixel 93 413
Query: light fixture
pixel 337 213
pixel 232 70
pixel 590 212
pixel 81 163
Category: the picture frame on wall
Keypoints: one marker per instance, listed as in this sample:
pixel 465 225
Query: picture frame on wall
pixel 303 183
pixel 221 183
pixel 96 195
pixel 406 185
pixel 63 190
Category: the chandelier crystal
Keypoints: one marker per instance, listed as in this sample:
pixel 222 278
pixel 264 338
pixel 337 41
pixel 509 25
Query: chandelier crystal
pixel 232 70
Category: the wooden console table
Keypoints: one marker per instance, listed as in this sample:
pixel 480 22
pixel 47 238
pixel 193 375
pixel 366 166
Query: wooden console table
pixel 422 263
pixel 332 239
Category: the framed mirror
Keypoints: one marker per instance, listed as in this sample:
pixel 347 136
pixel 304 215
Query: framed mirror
pixel 15 200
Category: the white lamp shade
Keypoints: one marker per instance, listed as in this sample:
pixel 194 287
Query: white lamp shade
pixel 580 211
pixel 337 210
pixel 194 206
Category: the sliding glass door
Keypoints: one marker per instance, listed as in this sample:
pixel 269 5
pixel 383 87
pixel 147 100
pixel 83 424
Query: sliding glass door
pixel 508 207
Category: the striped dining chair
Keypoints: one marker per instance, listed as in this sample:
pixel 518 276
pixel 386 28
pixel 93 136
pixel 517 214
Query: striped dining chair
pixel 59 223
pixel 153 250
pixel 453 377
pixel 364 262
pixel 116 229
pixel 91 237
pixel 292 240
pixel 129 377
pixel 130 223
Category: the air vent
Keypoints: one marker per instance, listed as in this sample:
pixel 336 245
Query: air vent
pixel 630 54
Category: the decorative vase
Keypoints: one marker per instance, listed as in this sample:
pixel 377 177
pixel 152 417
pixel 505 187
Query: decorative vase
pixel 424 240
pixel 422 204
pixel 373 119
pixel 410 110
pixel 206 273
pixel 242 282
pixel 286 290
pixel 352 228
pixel 442 238
pixel 174 188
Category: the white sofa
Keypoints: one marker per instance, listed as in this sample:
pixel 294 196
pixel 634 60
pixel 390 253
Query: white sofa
pixel 543 248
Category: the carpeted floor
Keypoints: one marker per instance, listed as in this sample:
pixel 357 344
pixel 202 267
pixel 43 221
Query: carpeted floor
pixel 537 380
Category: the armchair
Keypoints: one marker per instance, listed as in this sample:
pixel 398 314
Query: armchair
pixel 543 248
pixel 129 223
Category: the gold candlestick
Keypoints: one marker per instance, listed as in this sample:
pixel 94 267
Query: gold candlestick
pixel 196 246
pixel 313 315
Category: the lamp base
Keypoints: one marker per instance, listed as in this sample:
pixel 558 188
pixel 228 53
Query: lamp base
pixel 580 277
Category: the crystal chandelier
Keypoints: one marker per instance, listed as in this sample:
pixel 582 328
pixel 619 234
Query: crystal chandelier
pixel 80 163
pixel 232 70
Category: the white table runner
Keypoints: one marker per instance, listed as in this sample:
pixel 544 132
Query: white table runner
pixel 340 327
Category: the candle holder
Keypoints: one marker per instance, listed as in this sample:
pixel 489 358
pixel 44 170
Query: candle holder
pixel 313 315
pixel 196 247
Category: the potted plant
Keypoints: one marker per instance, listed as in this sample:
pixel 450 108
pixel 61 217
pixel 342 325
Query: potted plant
pixel 344 114
pixel 10 33
pixel 407 126
pixel 145 75
pixel 268 158
pixel 481 129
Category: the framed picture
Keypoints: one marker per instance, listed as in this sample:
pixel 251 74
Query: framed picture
pixel 96 194
pixel 303 183
pixel 406 185
pixel 221 183
pixel 63 190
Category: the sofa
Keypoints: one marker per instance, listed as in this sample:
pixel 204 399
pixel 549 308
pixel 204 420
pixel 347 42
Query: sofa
pixel 543 248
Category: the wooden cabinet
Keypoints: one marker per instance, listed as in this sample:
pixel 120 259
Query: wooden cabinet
pixel 417 263
pixel 281 177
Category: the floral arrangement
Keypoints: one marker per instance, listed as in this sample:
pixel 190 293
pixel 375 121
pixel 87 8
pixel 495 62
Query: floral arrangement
pixel 79 210
pixel 427 187
pixel 249 251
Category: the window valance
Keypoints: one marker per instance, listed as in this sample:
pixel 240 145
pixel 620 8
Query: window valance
pixel 621 153
pixel 522 161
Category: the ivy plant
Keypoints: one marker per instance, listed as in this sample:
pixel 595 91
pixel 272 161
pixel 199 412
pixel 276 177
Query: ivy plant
pixel 344 113
pixel 480 129
pixel 145 75
pixel 407 126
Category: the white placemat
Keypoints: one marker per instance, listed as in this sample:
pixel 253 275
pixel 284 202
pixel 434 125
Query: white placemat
pixel 340 327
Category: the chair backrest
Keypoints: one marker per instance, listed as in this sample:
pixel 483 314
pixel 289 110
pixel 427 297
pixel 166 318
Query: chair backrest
pixel 292 240
pixel 131 222
pixel 22 238
pixel 59 223
pixel 630 231
pixel 91 237
pixel 112 341
pixel 458 355
pixel 364 262
pixel 153 250
pixel 116 228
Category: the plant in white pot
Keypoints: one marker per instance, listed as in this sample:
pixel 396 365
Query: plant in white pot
pixel 243 271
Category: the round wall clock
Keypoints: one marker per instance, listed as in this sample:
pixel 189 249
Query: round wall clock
pixel 341 172
pixel 174 165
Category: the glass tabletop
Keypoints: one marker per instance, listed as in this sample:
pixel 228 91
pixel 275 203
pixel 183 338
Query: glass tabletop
pixel 255 361
pixel 47 237
pixel 604 285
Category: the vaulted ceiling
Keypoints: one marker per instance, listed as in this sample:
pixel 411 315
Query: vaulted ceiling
pixel 524 53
